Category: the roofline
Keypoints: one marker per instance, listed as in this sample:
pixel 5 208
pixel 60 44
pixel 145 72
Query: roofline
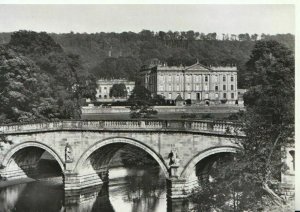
pixel 188 68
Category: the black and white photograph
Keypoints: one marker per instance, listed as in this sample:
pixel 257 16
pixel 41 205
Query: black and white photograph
pixel 148 107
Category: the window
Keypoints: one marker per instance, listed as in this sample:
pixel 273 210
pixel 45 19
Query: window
pixel 128 88
pixel 170 87
pixel 177 87
pixel 224 95
pixel 170 96
pixel 100 96
pixel 206 78
pixel 206 96
pixel 232 95
pixel 216 88
pixel 205 87
pixel 187 78
pixel 232 87
pixel 224 78
pixel 231 78
pixel 105 96
pixel 216 95
pixel 177 77
pixel 224 87
pixel 188 86
pixel 170 77
pixel 197 87
pixel 189 95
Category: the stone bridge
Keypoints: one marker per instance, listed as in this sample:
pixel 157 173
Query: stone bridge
pixel 83 149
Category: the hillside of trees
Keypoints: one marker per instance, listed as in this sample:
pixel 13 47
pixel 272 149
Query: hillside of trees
pixel 120 55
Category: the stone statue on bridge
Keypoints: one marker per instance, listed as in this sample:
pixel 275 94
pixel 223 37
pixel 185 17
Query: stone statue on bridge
pixel 173 157
pixel 68 153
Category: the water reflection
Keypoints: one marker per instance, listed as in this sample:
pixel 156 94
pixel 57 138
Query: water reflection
pixel 141 190
pixel 30 197
pixel 144 193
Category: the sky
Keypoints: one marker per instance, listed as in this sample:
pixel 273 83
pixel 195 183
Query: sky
pixel 269 19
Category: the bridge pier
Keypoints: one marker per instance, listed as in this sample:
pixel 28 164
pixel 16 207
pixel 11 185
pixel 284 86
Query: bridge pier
pixel 78 181
pixel 177 205
pixel 76 197
pixel 180 188
pixel 16 172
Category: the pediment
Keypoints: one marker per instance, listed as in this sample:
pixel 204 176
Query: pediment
pixel 197 67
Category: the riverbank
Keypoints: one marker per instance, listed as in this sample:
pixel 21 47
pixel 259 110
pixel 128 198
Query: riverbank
pixel 165 112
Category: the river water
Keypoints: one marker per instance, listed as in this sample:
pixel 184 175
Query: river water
pixel 129 190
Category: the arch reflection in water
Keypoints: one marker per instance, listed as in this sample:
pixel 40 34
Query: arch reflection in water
pixel 34 196
pixel 141 190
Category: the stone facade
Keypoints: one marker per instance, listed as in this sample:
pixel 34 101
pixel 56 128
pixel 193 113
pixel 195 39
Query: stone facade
pixel 104 86
pixel 197 82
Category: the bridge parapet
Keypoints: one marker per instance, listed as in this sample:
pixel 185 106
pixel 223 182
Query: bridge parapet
pixel 205 126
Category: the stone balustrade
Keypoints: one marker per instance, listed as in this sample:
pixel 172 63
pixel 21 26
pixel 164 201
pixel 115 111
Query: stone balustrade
pixel 208 126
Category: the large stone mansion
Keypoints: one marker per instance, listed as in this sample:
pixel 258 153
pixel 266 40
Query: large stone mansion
pixel 196 82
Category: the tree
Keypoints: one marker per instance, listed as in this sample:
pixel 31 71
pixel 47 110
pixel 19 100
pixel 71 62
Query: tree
pixel 212 36
pixel 146 35
pixel 122 67
pixel 25 93
pixel 162 35
pixel 232 37
pixel 249 181
pixel 190 35
pixel 244 37
pixel 254 37
pixel 141 101
pixel 46 83
pixel 140 96
pixel 118 90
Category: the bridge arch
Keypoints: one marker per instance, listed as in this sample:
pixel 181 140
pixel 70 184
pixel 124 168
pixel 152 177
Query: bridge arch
pixel 8 156
pixel 190 167
pixel 121 140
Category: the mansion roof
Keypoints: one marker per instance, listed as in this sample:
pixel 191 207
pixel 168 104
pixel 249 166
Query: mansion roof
pixel 114 81
pixel 196 67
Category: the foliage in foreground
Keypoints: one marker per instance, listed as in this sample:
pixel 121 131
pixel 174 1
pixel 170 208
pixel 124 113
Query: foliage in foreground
pixel 250 181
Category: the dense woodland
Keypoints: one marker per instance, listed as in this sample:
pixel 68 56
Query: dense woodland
pixel 120 55
pixel 45 76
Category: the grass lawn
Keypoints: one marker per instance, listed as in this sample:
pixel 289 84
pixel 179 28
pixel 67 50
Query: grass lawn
pixel 159 116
